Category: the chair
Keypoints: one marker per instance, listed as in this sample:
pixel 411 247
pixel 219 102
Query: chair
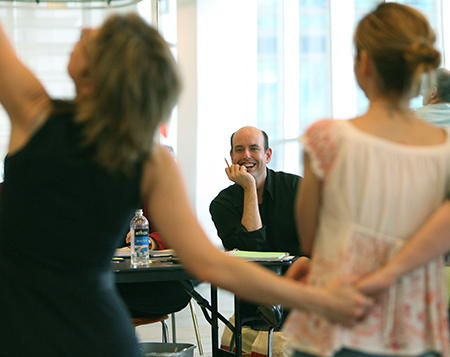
pixel 138 321
pixel 196 329
pixel 268 318
pixel 273 315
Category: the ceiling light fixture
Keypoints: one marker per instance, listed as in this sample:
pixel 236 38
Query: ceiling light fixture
pixel 67 4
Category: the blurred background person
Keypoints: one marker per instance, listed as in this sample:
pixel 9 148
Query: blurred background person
pixel 153 299
pixel 436 98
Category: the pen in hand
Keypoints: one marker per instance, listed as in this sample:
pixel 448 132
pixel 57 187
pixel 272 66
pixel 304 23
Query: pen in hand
pixel 226 161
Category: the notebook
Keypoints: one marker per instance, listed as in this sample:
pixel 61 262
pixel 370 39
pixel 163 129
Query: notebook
pixel 260 256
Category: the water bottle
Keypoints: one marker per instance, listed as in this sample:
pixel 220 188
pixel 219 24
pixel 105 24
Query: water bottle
pixel 139 240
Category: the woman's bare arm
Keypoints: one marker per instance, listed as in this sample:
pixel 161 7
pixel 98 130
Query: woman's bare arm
pixel 174 218
pixel 21 94
pixel 307 206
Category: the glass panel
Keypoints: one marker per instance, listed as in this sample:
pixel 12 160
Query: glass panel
pixel 304 76
pixel 294 57
pixel 167 26
pixel 314 63
pixel 270 71
pixel 44 39
pixel 362 7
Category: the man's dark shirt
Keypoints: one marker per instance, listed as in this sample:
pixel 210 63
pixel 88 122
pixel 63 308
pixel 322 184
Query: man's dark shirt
pixel 278 233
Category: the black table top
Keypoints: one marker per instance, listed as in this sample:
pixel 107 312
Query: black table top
pixel 160 269
pixel 167 269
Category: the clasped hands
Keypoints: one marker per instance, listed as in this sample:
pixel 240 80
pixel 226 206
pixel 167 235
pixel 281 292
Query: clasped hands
pixel 350 299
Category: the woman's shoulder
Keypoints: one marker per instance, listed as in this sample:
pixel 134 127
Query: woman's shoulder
pixel 159 165
pixel 319 125
pixel 326 125
pixel 325 131
pixel 323 142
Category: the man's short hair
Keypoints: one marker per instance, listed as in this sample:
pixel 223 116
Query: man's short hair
pixel 443 84
pixel 266 140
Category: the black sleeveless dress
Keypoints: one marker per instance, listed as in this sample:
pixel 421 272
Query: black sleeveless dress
pixel 61 218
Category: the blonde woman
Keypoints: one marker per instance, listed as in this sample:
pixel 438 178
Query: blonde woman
pixel 369 184
pixel 75 173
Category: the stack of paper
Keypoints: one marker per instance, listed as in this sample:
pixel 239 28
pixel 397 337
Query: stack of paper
pixel 162 253
pixel 123 252
pixel 126 252
pixel 259 256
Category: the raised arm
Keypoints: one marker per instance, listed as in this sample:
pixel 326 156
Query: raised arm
pixel 173 216
pixel 21 94
pixel 251 217
pixel 430 241
pixel 307 206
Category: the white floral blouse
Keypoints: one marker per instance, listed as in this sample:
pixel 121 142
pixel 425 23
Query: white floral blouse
pixel 375 194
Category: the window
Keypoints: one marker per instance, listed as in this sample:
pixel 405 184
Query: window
pixel 275 64
pixel 305 67
pixel 44 39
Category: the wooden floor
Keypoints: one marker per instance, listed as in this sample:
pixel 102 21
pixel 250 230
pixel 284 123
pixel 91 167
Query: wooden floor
pixel 184 325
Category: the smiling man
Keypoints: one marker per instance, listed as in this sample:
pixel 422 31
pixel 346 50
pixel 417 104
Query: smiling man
pixel 257 212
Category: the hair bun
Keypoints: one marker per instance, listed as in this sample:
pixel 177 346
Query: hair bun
pixel 422 53
pixel 420 58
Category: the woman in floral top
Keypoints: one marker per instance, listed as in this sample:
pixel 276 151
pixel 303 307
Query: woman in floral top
pixel 369 184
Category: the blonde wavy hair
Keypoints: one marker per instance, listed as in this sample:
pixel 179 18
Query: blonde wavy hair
pixel 135 85
pixel 400 41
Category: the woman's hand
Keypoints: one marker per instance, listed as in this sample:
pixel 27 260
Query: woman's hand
pixel 299 270
pixel 346 305
pixel 343 302
pixel 375 283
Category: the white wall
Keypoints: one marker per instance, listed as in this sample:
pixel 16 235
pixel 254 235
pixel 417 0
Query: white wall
pixel 187 105
pixel 446 32
pixel 222 53
pixel 344 101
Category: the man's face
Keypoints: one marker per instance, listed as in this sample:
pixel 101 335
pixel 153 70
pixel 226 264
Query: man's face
pixel 248 150
pixel 426 94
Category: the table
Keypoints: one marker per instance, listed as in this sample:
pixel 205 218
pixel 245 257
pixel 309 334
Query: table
pixel 161 269
pixel 166 269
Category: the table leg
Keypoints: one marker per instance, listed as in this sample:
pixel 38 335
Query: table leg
pixel 214 322
pixel 237 326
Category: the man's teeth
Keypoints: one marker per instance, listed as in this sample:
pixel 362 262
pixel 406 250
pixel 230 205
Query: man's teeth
pixel 248 166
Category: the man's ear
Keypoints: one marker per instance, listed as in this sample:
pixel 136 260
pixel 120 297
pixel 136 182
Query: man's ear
pixel 434 93
pixel 268 155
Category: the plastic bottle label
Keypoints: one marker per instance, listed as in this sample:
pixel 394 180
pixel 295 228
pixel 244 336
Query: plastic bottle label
pixel 141 242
